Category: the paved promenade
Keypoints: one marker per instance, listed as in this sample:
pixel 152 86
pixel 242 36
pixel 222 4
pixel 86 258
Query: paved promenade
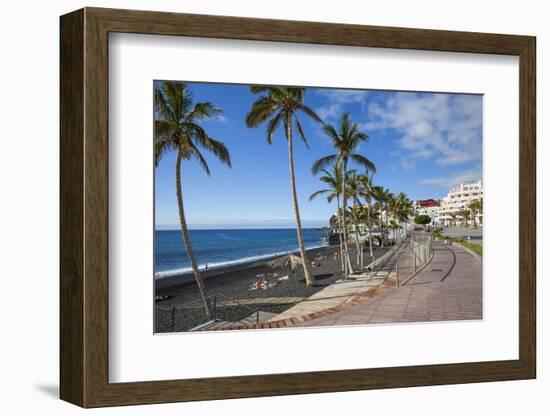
pixel 448 288
pixel 333 295
pixel 342 290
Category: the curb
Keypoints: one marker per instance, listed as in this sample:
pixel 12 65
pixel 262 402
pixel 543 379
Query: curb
pixel 282 323
pixel 418 271
pixel 473 253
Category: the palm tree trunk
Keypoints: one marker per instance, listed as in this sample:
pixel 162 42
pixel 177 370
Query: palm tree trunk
pixel 345 203
pixel 187 240
pixel 370 233
pixel 386 218
pixel 340 233
pixel 399 230
pixel 356 225
pixel 310 280
pixel 380 227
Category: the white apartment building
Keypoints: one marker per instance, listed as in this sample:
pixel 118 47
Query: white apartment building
pixel 430 207
pixel 458 198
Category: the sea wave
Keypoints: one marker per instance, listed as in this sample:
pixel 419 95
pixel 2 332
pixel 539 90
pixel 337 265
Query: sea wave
pixel 229 263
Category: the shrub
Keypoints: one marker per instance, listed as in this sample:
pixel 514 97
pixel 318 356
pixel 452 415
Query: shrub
pixel 422 219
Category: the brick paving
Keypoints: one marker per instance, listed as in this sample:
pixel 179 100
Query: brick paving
pixel 426 297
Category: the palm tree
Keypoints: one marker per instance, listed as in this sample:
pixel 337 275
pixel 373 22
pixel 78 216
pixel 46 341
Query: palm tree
pixel 405 208
pixel 345 141
pixel 359 215
pixel 390 200
pixel 177 128
pixel 372 215
pixel 480 209
pixel 401 208
pixel 378 208
pixel 367 191
pixel 475 207
pixel 394 226
pixel 279 105
pixel 453 215
pixel 333 181
pixel 369 216
pixel 355 190
pixel 393 207
pixel 465 214
pixel 382 196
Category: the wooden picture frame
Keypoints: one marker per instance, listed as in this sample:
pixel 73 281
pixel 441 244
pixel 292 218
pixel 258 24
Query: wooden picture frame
pixel 84 207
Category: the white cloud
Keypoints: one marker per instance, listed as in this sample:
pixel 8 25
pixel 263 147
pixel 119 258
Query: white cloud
pixel 444 127
pixel 220 118
pixel 343 96
pixel 455 179
pixel 329 112
pixel 337 99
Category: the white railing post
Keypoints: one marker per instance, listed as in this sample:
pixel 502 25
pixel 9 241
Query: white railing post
pixel 397 271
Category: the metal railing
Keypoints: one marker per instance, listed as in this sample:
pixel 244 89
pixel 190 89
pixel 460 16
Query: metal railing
pixel 419 251
pixel 421 246
pixel 190 315
pixel 233 302
pixel 379 263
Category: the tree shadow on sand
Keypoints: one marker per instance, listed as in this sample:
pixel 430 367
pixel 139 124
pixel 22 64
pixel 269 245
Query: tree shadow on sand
pixel 321 276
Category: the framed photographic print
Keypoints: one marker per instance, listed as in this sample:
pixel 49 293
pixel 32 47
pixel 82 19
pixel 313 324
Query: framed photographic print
pixel 256 207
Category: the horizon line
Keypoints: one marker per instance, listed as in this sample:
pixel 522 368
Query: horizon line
pixel 176 227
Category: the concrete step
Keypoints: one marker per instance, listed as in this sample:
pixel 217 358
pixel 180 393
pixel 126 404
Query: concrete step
pixel 211 326
pixel 263 316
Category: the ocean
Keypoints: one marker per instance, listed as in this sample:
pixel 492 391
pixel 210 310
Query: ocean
pixel 220 248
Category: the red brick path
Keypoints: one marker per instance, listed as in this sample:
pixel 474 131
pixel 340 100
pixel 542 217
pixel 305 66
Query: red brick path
pixel 425 297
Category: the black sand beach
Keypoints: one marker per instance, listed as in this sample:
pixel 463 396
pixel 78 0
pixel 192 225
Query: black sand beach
pixel 234 285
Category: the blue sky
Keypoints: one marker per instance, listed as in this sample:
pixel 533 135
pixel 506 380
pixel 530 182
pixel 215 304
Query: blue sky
pixel 421 144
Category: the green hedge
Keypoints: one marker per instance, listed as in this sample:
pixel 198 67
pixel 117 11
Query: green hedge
pixel 476 248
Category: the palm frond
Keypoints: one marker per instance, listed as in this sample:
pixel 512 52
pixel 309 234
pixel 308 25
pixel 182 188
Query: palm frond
pixel 329 180
pixel 204 111
pixel 161 148
pixel 220 151
pixel 317 193
pixel 272 126
pixel 296 93
pixel 176 125
pixel 261 110
pixel 322 162
pixel 363 161
pixel 163 110
pixel 212 145
pixel 197 155
pixel 259 89
pixel 178 97
pixel 301 132
pixel 309 112
pixel 163 130
pixel 331 132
